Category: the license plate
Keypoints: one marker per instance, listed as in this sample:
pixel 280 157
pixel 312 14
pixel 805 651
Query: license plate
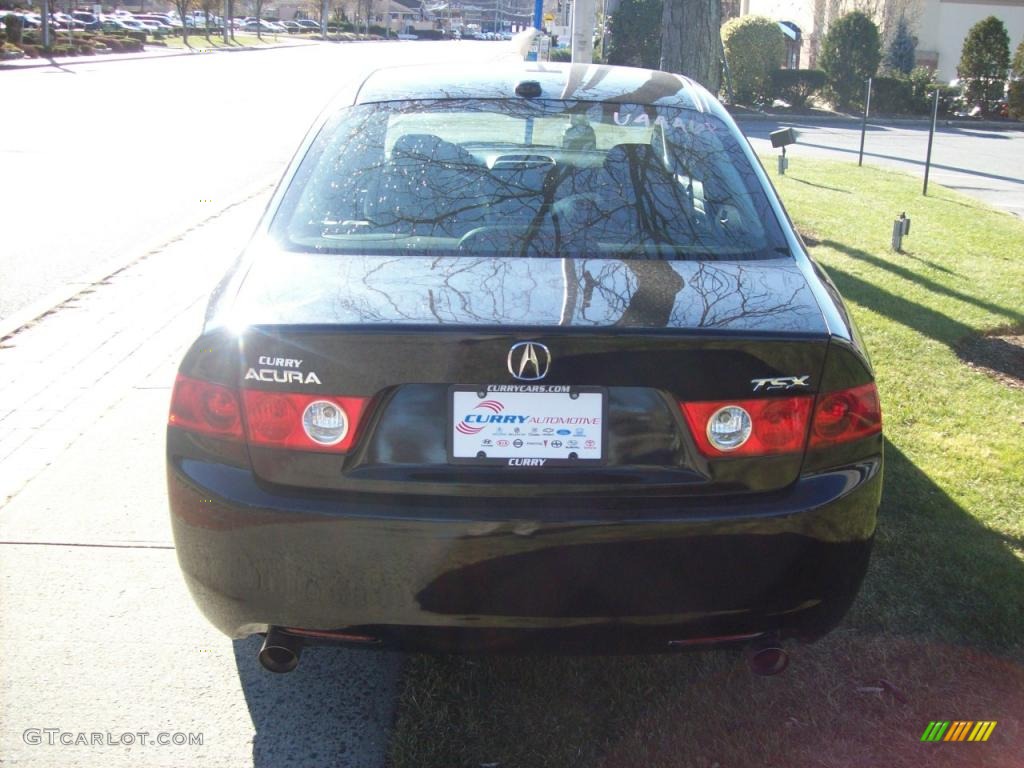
pixel 540 427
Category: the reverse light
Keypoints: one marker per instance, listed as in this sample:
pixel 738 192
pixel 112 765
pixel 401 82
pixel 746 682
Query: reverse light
pixel 206 408
pixel 749 427
pixel 729 428
pixel 325 422
pixel 846 415
pixel 307 422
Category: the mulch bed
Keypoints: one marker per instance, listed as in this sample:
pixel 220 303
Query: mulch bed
pixel 999 354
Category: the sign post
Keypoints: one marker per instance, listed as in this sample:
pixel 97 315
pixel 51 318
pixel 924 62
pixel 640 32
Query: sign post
pixel 864 122
pixel 931 135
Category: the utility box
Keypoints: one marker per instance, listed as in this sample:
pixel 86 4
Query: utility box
pixel 900 229
pixel 782 138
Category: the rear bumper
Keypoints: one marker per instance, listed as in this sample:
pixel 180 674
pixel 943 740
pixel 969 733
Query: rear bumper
pixel 483 574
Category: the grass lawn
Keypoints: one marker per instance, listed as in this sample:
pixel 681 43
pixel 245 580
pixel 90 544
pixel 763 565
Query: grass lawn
pixel 937 631
pixel 199 42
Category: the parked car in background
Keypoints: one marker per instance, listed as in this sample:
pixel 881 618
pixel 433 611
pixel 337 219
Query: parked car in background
pixel 308 25
pixel 525 357
pixel 65 21
pixel 291 26
pixel 139 26
pixel 163 23
pixel 91 21
pixel 264 26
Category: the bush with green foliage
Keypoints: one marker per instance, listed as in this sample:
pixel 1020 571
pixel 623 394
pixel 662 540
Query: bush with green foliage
pixel 984 62
pixel 850 54
pixel 561 54
pixel 1016 96
pixel 900 56
pixel 796 86
pixel 14 25
pixel 754 48
pixel 891 96
pixel 634 34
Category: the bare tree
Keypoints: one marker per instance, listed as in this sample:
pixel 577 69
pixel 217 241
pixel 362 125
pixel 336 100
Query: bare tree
pixel 691 41
pixel 183 7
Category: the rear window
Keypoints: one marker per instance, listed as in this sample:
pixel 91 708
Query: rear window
pixel 522 177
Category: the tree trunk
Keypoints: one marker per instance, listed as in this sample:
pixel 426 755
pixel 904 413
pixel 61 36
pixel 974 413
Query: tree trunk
pixel 691 40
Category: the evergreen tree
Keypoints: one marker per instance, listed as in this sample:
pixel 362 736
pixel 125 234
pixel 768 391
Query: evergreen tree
pixel 850 54
pixel 984 61
pixel 900 56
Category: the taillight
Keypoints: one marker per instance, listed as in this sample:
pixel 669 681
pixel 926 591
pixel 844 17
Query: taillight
pixel 304 422
pixel 749 427
pixel 204 407
pixel 846 415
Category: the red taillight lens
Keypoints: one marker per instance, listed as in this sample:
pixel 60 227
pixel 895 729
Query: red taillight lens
pixel 281 420
pixel 204 407
pixel 778 425
pixel 846 415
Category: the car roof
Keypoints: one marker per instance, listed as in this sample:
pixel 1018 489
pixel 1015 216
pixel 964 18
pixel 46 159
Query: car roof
pixel 580 82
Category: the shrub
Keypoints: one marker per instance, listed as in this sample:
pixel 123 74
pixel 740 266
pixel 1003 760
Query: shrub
pixel 32 51
pixel 922 85
pixel 14 25
pixel 984 61
pixel 891 96
pixel 1015 98
pixel 850 54
pixel 561 54
pixel 796 86
pixel 634 34
pixel 754 48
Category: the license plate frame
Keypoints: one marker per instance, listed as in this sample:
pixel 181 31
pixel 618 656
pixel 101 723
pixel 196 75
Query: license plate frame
pixel 565 415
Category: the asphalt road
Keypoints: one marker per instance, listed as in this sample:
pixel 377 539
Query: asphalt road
pixel 986 164
pixel 105 159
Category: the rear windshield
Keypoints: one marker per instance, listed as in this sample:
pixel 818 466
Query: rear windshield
pixel 536 178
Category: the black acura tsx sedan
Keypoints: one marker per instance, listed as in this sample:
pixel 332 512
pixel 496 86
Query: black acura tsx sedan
pixel 525 357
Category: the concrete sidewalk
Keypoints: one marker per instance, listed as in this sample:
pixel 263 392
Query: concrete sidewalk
pixel 100 633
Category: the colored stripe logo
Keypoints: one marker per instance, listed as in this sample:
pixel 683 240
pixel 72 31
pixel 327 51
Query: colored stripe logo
pixel 958 730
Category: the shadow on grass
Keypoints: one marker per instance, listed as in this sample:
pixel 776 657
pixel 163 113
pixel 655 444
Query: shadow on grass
pixel 913 277
pixel 925 320
pixel 791 177
pixel 935 634
pixel 938 571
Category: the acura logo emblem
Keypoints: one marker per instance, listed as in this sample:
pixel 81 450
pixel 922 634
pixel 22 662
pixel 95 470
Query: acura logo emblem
pixel 529 361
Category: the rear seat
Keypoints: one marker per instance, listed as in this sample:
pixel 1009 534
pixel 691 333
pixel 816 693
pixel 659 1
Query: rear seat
pixel 428 186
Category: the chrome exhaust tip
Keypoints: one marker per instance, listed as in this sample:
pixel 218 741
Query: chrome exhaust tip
pixel 280 651
pixel 767 659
